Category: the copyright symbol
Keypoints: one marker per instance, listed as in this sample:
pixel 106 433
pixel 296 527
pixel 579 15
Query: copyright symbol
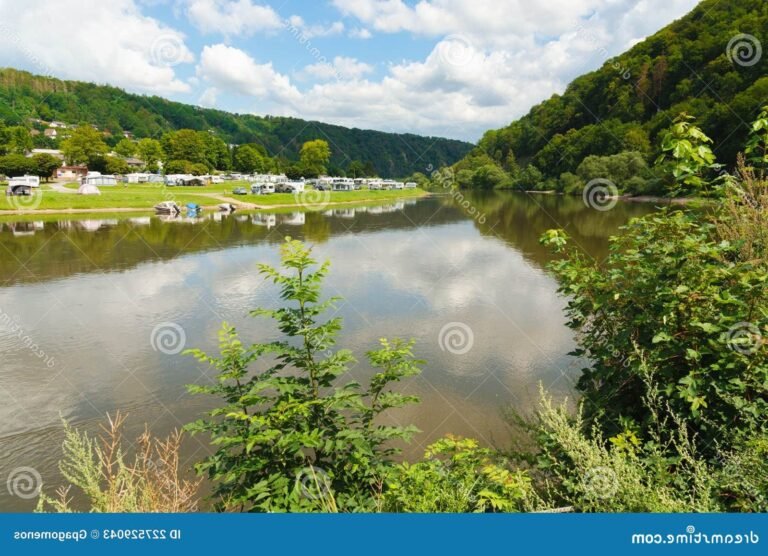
pixel 94 533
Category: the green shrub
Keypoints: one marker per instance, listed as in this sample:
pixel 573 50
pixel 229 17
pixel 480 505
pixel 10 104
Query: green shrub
pixel 458 476
pixel 291 436
pixel 623 474
pixel 674 291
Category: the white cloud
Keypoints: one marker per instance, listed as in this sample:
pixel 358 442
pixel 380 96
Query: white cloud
pixel 341 68
pixel 312 31
pixel 491 62
pixel 112 42
pixel 230 69
pixel 232 17
pixel 360 33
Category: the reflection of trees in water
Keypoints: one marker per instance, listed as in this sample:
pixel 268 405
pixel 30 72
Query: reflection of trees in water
pixel 521 219
pixel 33 251
pixel 39 251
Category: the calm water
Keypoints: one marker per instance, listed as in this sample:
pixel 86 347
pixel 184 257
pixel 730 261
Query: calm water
pixel 89 293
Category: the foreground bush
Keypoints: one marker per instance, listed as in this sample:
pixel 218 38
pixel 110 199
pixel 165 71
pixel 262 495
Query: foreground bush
pixel 675 291
pixel 457 475
pixel 292 435
pixel 111 482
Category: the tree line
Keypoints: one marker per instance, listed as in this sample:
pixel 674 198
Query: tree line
pixel 184 151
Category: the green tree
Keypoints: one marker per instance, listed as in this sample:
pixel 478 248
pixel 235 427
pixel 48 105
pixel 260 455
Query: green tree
pixel 151 152
pixel 45 164
pixel 115 165
pixel 84 145
pixel 356 169
pixel 125 148
pixel 292 435
pixel 185 144
pixel 16 165
pixel 248 158
pixel 19 140
pixel 314 156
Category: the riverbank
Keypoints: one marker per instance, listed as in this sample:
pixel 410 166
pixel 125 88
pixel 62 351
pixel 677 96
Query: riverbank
pixel 58 199
pixel 634 199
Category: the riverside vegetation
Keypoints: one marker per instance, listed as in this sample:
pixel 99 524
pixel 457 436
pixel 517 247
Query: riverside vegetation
pixel 671 416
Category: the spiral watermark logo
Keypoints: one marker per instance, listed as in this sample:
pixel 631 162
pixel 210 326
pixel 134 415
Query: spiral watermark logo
pixel 315 483
pixel 456 50
pixel 456 338
pixel 744 50
pixel 313 198
pixel 167 50
pixel 26 202
pixel 168 338
pixel 601 482
pixel 600 194
pixel 744 338
pixel 24 482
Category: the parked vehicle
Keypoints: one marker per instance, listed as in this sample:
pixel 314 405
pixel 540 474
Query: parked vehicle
pixel 410 185
pixel 296 186
pixel 99 179
pixel 262 188
pixel 22 185
pixel 239 191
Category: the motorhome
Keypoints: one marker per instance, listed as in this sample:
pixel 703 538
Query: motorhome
pixel 343 184
pixel 294 186
pixel 22 185
pixel 97 179
pixel 262 188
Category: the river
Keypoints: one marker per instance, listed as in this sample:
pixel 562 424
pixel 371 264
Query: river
pixel 87 304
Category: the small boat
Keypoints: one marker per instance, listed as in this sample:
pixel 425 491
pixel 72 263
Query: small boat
pixel 193 210
pixel 227 207
pixel 167 207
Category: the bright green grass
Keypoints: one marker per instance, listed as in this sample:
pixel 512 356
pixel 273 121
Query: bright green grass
pixel 146 196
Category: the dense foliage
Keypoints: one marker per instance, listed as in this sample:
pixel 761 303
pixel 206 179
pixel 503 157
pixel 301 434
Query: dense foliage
pixel 700 65
pixel 24 96
pixel 291 437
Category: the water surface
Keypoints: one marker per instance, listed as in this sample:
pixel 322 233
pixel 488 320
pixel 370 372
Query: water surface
pixel 79 300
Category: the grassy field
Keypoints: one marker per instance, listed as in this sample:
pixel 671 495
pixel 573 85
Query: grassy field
pixel 146 196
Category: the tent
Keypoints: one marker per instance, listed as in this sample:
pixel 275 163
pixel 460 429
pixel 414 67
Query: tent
pixel 88 189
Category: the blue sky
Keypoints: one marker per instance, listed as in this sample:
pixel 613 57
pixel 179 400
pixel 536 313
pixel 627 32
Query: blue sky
pixel 451 68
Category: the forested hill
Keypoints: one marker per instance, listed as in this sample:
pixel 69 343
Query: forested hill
pixel 712 64
pixel 24 96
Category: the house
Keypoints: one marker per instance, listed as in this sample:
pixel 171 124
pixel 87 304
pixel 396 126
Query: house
pixel 50 132
pixel 71 172
pixel 134 162
pixel 127 134
pixel 56 124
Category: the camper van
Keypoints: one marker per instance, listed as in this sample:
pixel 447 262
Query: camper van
pixel 297 186
pixel 22 185
pixel 343 184
pixel 262 188
pixel 95 178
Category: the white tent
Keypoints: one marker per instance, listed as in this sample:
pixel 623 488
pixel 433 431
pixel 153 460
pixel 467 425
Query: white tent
pixel 88 189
